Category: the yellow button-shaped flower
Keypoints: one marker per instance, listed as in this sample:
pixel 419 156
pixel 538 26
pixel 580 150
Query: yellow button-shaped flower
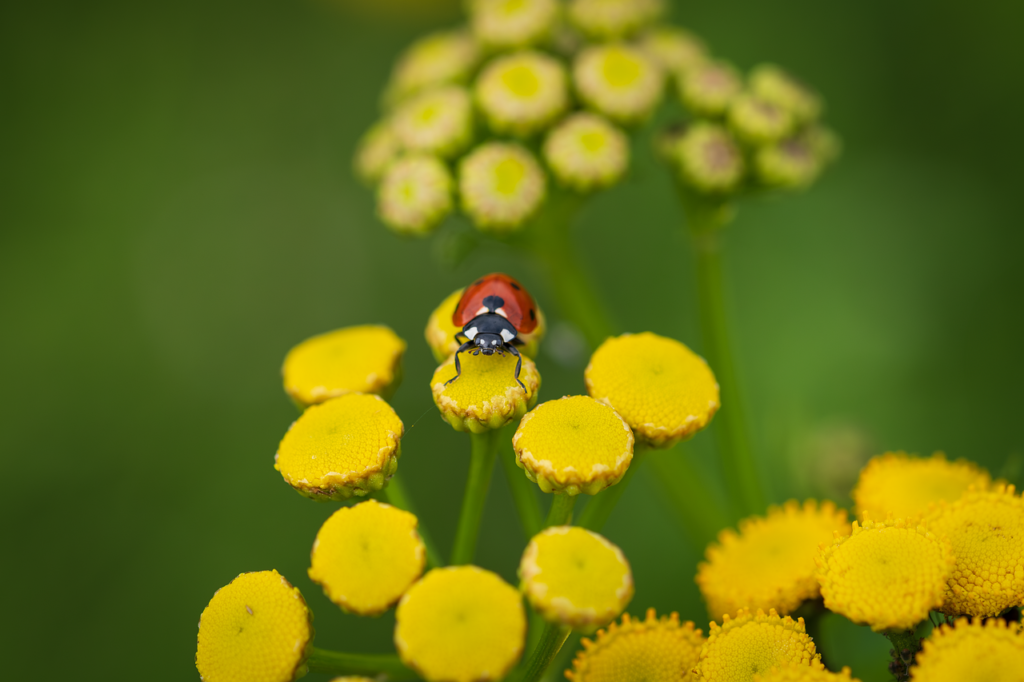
pixel 574 577
pixel 618 80
pixel 663 390
pixel 651 650
pixel 904 486
pixel 886 574
pixel 803 673
pixel 750 644
pixel 486 395
pixel 991 651
pixel 343 447
pixel 986 530
pixel 440 331
pixel 255 629
pixel 460 624
pixel 769 564
pixel 573 445
pixel 366 557
pixel 365 359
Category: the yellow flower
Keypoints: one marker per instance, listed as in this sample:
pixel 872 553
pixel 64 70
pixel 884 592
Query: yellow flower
pixel 708 159
pixel 522 93
pixel 437 121
pixel 439 58
pixel 586 152
pixel 708 89
pixel 757 121
pixel 364 359
pixel 507 24
pixel 991 651
pixel 415 195
pixel 501 185
pixel 613 19
pixel 986 530
pixel 777 86
pixel 440 332
pixel 343 447
pixel 661 388
pixel 255 629
pixel 620 81
pixel 377 149
pixel 576 578
pixel 789 164
pixel 886 574
pixel 674 49
pixel 906 487
pixel 366 557
pixel 792 672
pixel 751 644
pixel 460 624
pixel 770 562
pixel 573 445
pixel 486 396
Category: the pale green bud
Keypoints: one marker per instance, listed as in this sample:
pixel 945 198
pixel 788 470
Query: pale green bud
pixel 586 152
pixel 775 85
pixel 708 159
pixel 708 89
pixel 437 59
pixel 438 121
pixel 619 81
pixel 613 19
pixel 674 49
pixel 789 164
pixel 501 185
pixel 509 24
pixel 522 93
pixel 415 195
pixel 375 152
pixel 756 121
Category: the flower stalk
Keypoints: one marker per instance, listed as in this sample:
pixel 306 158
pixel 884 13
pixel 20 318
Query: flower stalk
pixel 523 495
pixel 551 640
pixel 600 508
pixel 396 495
pixel 481 465
pixel 339 663
pixel 560 513
pixel 698 509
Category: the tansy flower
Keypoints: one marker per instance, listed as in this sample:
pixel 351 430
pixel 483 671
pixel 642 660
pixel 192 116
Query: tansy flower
pixel 343 447
pixel 255 629
pixel 438 121
pixel 986 530
pixel 775 85
pixel 439 58
pixel 586 152
pixel 487 395
pixel 770 562
pixel 415 194
pixel 651 650
pixel 619 81
pixel 440 331
pixel 375 152
pixel 366 557
pixel 663 390
pixel 501 185
pixel 751 644
pixel 790 164
pixel 886 574
pixel 364 359
pixel 573 445
pixel 576 578
pixel 708 89
pixel 905 486
pixel 757 121
pixel 674 49
pixel 613 19
pixel 708 159
pixel 522 93
pixel 793 672
pixel 460 624
pixel 992 651
pixel 507 24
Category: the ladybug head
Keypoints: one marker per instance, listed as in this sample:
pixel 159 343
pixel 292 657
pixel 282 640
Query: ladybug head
pixel 488 343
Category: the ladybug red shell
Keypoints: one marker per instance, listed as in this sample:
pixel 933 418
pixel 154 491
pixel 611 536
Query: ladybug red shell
pixel 519 308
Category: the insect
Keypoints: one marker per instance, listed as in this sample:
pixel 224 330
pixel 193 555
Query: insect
pixel 493 312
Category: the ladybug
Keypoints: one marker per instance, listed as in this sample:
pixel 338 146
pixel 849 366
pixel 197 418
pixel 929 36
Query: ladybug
pixel 493 312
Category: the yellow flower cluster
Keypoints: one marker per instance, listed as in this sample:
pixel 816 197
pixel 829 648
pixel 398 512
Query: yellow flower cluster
pixel 754 643
pixel 972 650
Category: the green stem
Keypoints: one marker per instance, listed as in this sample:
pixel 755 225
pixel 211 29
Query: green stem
pixel 481 465
pixel 688 491
pixel 741 475
pixel 560 513
pixel 523 495
pixel 905 646
pixel 551 641
pixel 597 511
pixel 397 496
pixel 371 665
pixel 563 660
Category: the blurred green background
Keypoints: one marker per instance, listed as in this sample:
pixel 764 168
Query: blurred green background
pixel 178 210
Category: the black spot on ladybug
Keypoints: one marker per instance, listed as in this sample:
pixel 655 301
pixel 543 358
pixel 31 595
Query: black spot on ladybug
pixel 514 286
pixel 533 315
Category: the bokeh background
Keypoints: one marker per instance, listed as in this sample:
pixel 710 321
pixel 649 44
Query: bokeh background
pixel 178 210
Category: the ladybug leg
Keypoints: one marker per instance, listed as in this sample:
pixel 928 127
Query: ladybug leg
pixel 458 367
pixel 462 335
pixel 519 362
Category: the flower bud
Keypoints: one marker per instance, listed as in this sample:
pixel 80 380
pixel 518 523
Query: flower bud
pixel 756 121
pixel 510 24
pixel 709 89
pixel 586 152
pixel 438 121
pixel 522 93
pixel 377 149
pixel 708 159
pixel 789 164
pixel 775 85
pixel 676 50
pixel 439 58
pixel 501 185
pixel 415 195
pixel 618 80
pixel 613 19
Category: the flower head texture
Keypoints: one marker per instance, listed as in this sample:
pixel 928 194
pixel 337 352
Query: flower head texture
pixel 756 121
pixel 363 359
pixel 708 159
pixel 438 121
pixel 649 650
pixel 663 390
pixel 573 445
pixel 990 651
pixel 674 49
pixel 255 629
pixel 522 93
pixel 618 80
pixel 501 185
pixel 754 643
pixel 770 562
pixel 789 164
pixel 375 152
pixel 586 152
pixel 366 557
pixel 346 446
pixel 460 624
pixel 775 85
pixel 708 89
pixel 886 574
pixel 986 530
pixel 613 19
pixel 508 24
pixel 415 194
pixel 437 59
pixel 440 331
pixel 792 672
pixel 906 487
pixel 486 395
pixel 574 577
